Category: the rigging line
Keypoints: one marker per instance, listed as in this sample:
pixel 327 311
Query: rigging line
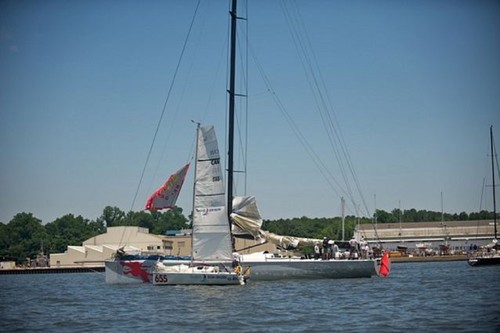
pixel 242 119
pixel 165 104
pixel 324 97
pixel 330 111
pixel 297 40
pixel 309 150
pixel 246 103
pixel 482 193
pixel 315 158
pixel 301 41
pixel 184 89
pixel 496 156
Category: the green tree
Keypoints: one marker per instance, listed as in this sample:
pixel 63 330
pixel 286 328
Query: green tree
pixel 25 237
pixel 384 217
pixel 69 230
pixel 112 216
pixel 4 240
pixel 172 219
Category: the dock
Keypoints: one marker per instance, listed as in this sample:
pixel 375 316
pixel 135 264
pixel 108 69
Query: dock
pixel 401 259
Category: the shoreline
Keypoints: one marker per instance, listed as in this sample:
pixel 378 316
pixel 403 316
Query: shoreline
pixel 401 259
pixel 52 270
pixel 99 269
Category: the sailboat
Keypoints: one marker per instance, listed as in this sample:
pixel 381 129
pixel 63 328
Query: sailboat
pixel 490 254
pixel 211 257
pixel 245 218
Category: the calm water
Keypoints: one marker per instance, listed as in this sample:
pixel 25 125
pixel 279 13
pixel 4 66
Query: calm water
pixel 428 297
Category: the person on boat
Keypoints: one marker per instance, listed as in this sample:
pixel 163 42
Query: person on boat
pixel 353 248
pixel 325 248
pixel 335 250
pixel 330 248
pixel 363 244
pixel 316 251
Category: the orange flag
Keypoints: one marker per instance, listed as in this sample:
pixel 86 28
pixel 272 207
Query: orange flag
pixel 385 265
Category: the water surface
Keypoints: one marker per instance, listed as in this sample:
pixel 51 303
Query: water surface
pixel 424 297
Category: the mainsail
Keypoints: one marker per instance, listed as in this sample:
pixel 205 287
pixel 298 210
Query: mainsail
pixel 211 233
pixel 166 196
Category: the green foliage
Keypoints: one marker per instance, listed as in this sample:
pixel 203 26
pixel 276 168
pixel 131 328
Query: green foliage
pixel 313 228
pixel 68 230
pixel 25 235
pixel 157 222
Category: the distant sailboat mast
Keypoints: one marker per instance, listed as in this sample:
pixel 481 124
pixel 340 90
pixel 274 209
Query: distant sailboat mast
pixel 342 200
pixel 493 179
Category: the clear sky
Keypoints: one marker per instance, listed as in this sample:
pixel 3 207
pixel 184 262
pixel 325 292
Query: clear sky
pixel 415 86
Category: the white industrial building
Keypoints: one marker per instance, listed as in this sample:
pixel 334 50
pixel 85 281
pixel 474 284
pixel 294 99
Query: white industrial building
pixel 94 251
pixel 457 235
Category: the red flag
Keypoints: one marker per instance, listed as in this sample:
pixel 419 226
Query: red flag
pixel 166 195
pixel 385 265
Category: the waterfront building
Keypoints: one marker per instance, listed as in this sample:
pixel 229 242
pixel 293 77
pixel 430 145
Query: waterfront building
pixel 456 236
pixel 94 251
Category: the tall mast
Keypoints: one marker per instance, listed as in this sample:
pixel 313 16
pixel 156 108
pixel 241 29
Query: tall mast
pixel 493 179
pixel 194 182
pixel 232 76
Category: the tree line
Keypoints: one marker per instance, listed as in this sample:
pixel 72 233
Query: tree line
pixel 25 235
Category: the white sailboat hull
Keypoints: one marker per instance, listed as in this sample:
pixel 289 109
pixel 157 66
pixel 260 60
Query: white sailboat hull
pixel 261 269
pixel 184 275
pixel 280 268
pixel 128 271
pixel 195 278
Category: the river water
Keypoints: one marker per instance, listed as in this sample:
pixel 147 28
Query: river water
pixel 423 297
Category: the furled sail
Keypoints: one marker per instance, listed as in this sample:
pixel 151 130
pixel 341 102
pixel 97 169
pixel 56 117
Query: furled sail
pixel 245 217
pixel 287 242
pixel 211 232
pixel 166 196
pixel 246 221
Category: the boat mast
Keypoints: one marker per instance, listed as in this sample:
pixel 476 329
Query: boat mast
pixel 231 91
pixel 194 184
pixel 493 179
pixel 342 204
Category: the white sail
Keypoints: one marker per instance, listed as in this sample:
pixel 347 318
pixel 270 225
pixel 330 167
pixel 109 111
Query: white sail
pixel 211 233
pixel 247 221
pixel 245 217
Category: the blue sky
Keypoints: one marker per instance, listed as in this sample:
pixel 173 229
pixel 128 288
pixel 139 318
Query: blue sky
pixel 414 86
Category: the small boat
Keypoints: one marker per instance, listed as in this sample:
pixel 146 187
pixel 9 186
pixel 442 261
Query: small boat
pixel 489 254
pixel 211 258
